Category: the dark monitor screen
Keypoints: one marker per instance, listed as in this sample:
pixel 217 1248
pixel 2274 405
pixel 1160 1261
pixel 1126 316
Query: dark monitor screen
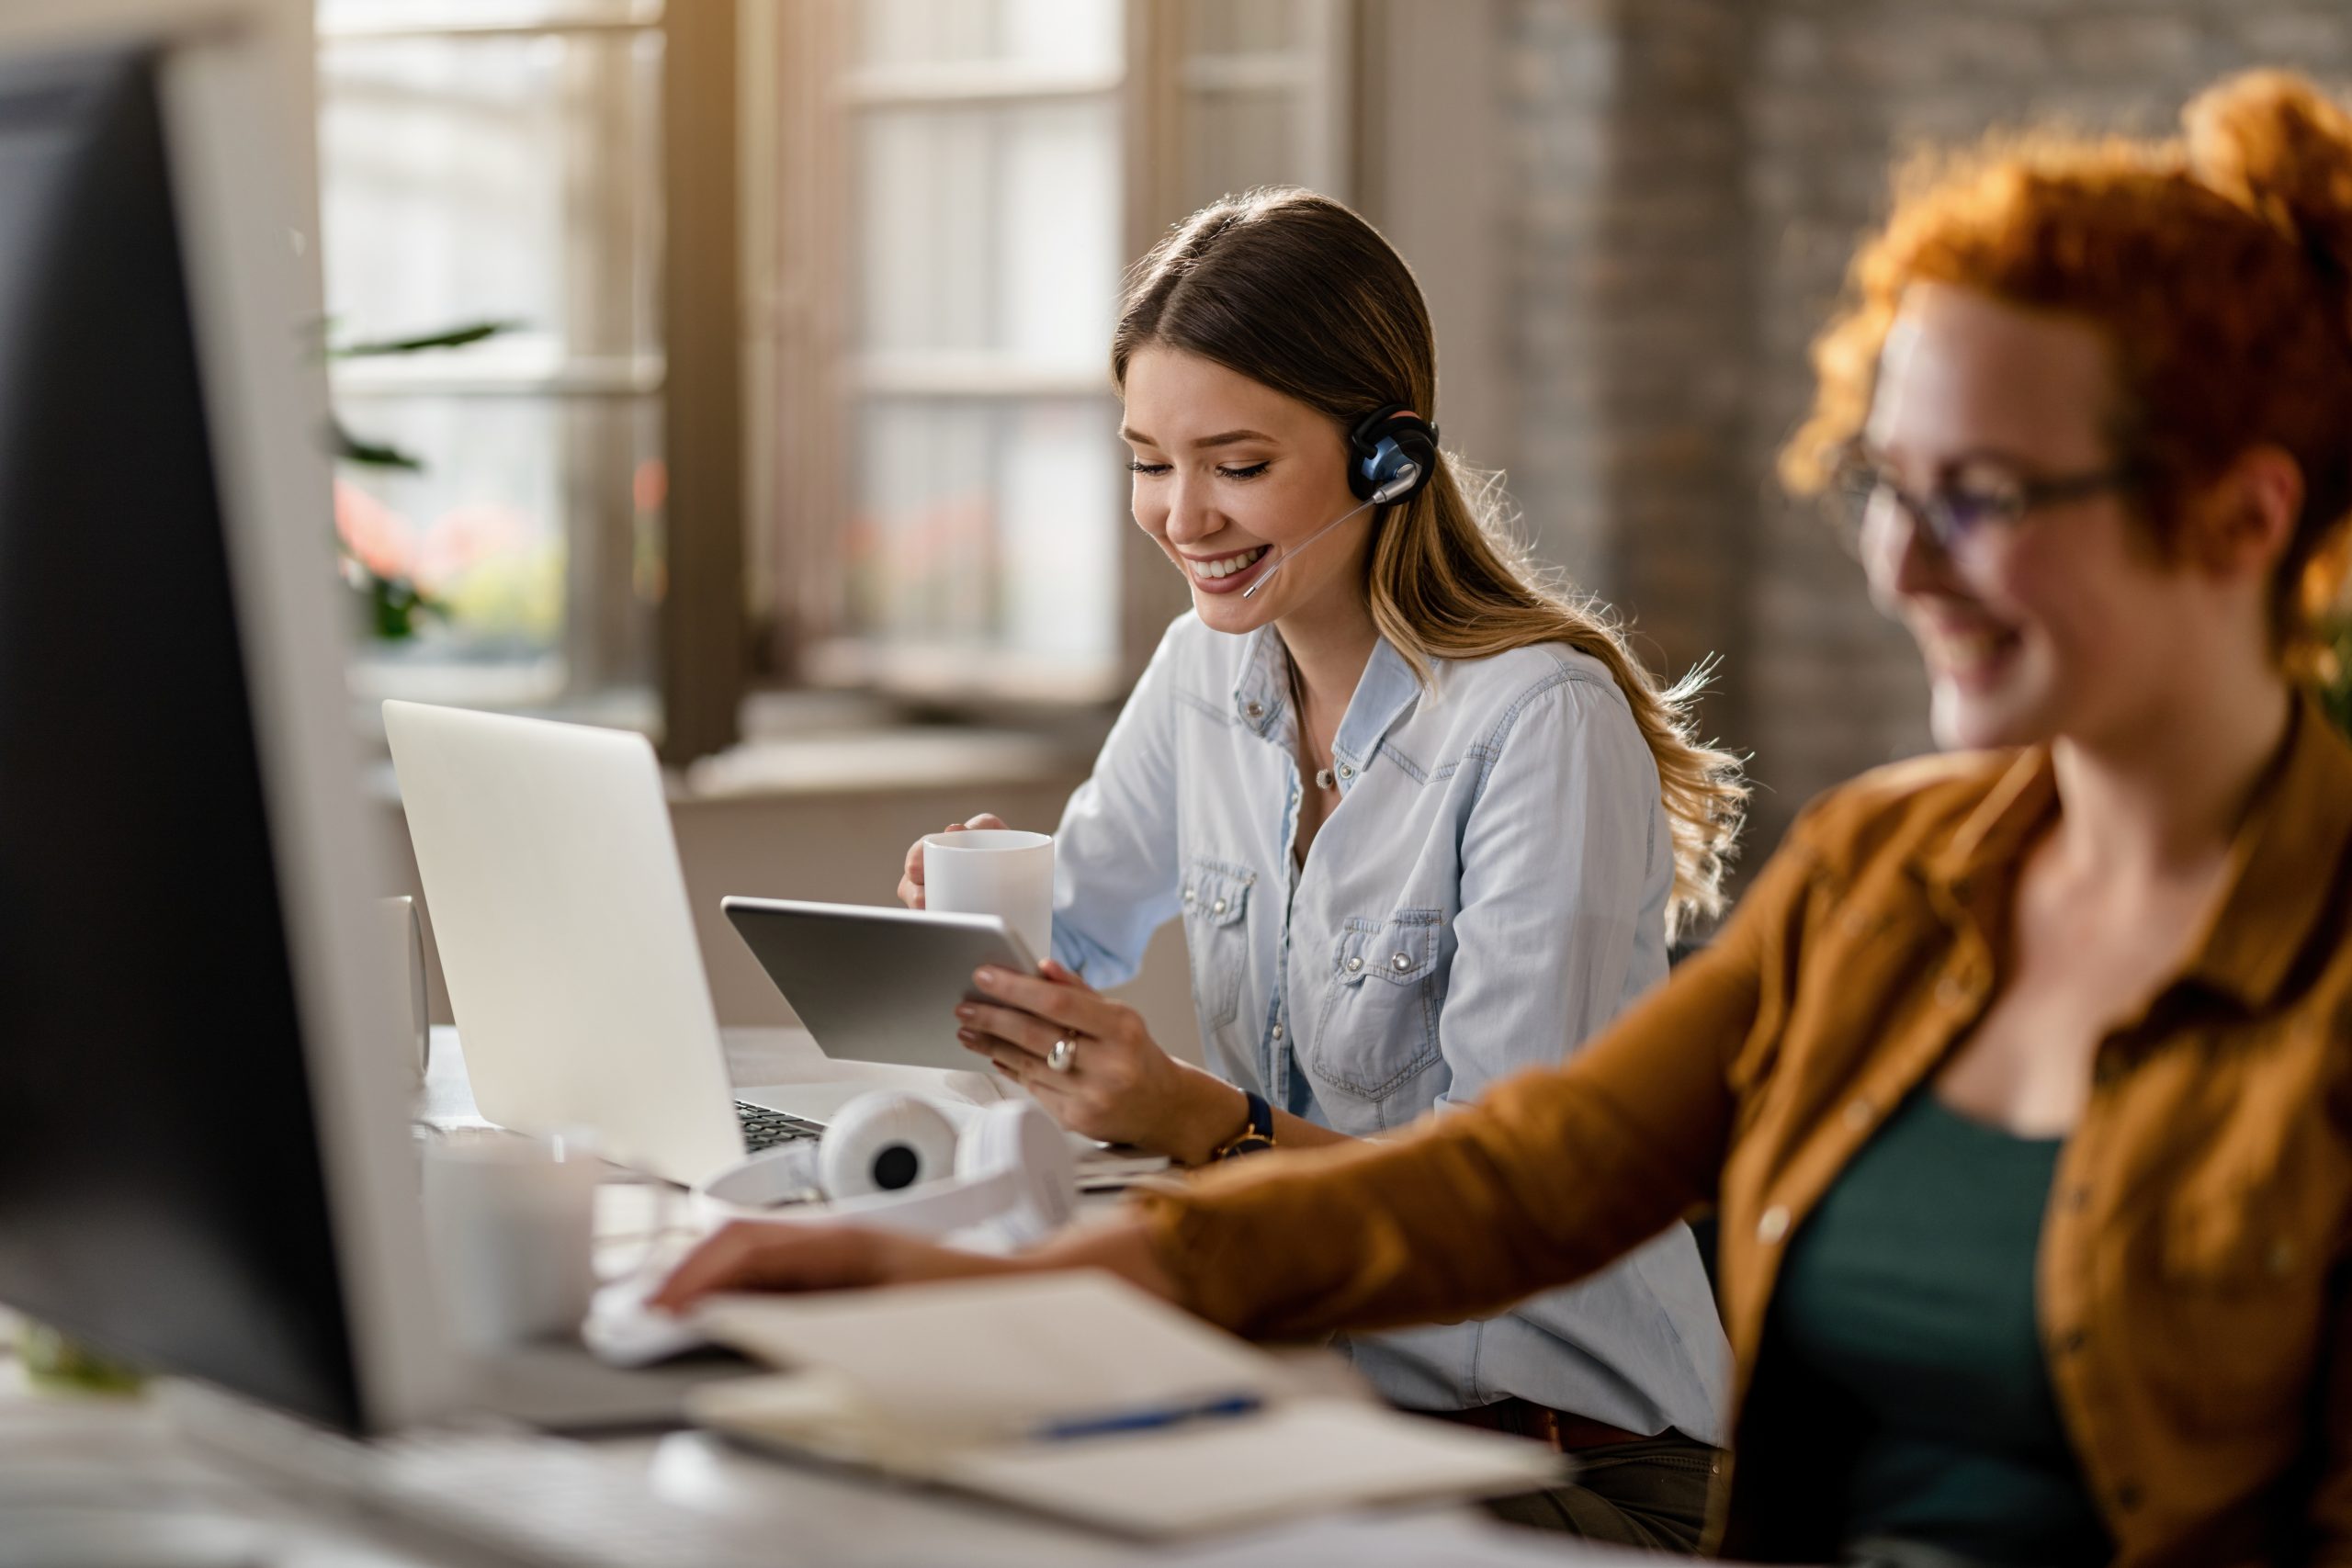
pixel 162 1192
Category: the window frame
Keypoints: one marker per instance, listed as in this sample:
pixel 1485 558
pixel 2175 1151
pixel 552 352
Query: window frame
pixel 694 378
pixel 810 378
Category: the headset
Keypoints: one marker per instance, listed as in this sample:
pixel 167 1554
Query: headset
pixel 1392 457
pixel 896 1162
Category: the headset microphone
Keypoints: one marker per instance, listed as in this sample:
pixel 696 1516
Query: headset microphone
pixel 1289 550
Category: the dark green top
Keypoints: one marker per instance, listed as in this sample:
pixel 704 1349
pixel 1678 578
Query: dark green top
pixel 1907 1299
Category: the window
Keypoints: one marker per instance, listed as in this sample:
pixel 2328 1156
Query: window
pixel 496 161
pixel 953 189
pixel 817 337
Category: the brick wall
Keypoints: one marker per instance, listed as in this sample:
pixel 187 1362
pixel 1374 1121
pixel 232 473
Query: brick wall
pixel 1689 178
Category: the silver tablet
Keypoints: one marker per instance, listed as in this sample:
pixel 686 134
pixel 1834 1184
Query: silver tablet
pixel 875 984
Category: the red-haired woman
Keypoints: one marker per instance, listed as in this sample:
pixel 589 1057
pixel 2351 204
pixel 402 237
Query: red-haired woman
pixel 2022 1075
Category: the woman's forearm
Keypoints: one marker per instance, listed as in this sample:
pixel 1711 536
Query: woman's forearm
pixel 1210 1113
pixel 1121 1245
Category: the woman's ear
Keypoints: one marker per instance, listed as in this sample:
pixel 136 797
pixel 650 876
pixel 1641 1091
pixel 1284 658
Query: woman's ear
pixel 2243 524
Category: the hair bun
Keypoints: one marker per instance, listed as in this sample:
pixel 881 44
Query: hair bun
pixel 2272 143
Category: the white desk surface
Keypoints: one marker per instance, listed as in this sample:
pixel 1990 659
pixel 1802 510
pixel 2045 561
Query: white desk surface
pixel 112 1465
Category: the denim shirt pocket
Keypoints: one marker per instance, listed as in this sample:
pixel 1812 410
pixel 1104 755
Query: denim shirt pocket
pixel 1378 1028
pixel 1216 937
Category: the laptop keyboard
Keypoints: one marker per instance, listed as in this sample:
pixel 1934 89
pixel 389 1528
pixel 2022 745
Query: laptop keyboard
pixel 764 1129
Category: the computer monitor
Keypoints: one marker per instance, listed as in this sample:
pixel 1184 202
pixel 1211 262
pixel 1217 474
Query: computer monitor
pixel 205 1165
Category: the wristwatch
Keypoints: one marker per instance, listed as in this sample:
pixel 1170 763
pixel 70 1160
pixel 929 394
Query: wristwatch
pixel 1257 1133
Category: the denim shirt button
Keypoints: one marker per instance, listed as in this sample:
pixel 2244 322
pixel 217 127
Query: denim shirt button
pixel 1188 896
pixel 1400 963
pixel 1278 1033
pixel 1217 907
pixel 1346 772
pixel 1354 964
pixel 1256 710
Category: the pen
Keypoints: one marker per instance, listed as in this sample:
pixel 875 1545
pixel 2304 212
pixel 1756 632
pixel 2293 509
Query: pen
pixel 1148 1420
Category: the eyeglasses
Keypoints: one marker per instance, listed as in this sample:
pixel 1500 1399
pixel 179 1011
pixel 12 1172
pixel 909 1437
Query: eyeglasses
pixel 1981 495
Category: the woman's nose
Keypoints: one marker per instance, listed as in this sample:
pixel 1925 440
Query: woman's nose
pixel 1904 557
pixel 1189 517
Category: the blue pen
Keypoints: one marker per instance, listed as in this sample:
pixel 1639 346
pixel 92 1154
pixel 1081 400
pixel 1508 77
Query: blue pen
pixel 1147 1420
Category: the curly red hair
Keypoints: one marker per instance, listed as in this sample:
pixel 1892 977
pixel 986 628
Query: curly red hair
pixel 2218 266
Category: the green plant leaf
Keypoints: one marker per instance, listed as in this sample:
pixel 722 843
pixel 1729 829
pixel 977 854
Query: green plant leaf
pixel 449 337
pixel 350 448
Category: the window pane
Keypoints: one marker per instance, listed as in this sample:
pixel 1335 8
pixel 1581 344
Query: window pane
pixel 339 13
pixel 533 526
pixel 990 229
pixel 508 177
pixel 1242 27
pixel 1243 139
pixel 1074 34
pixel 989 525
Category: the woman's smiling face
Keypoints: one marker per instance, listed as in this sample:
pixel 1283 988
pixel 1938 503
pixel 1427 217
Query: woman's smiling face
pixel 2067 621
pixel 1229 475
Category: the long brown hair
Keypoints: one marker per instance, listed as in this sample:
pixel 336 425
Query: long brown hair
pixel 2217 265
pixel 1299 294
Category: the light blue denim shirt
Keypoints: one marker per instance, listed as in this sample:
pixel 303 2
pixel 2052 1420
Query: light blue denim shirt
pixel 1489 891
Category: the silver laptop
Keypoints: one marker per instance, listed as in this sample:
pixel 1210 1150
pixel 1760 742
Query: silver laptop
pixel 561 913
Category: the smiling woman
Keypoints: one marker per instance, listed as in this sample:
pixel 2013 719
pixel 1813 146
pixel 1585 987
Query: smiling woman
pixel 1426 822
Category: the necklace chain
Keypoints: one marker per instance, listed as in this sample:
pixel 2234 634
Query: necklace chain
pixel 1323 779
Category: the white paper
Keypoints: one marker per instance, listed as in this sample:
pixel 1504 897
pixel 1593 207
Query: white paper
pixel 1305 1457
pixel 999 1357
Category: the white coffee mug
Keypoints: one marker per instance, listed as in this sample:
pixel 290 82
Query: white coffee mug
pixel 512 1223
pixel 994 871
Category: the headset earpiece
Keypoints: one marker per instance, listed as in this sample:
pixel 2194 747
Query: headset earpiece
pixel 884 1142
pixel 1017 1142
pixel 1392 453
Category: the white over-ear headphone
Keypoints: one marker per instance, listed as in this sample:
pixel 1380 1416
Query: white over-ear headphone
pixel 895 1161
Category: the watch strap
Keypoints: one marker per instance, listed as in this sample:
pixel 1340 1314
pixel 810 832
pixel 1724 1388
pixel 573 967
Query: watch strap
pixel 1257 1131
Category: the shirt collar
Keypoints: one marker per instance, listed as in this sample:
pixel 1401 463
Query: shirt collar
pixel 1977 866
pixel 1383 692
pixel 2283 864
pixel 2281 867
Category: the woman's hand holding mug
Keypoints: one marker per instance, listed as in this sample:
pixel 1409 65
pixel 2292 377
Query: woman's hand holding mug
pixel 911 881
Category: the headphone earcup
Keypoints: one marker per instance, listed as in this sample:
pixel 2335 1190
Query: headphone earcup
pixel 883 1142
pixel 1016 1138
pixel 1389 447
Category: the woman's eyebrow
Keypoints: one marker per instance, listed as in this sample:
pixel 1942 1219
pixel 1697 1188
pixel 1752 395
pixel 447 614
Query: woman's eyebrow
pixel 1138 438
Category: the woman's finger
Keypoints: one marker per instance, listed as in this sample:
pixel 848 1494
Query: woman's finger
pixel 1072 1007
pixel 748 1255
pixel 1033 1035
pixel 1021 1066
pixel 1060 973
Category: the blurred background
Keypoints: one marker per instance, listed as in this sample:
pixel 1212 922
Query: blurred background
pixel 734 369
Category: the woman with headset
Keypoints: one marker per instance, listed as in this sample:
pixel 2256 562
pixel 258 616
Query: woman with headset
pixel 2022 1076
pixel 1425 821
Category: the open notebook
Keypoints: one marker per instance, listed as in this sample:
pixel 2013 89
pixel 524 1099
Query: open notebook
pixel 1078 1395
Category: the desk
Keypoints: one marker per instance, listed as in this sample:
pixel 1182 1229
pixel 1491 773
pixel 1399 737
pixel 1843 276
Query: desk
pixel 119 1464
pixel 117 1470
